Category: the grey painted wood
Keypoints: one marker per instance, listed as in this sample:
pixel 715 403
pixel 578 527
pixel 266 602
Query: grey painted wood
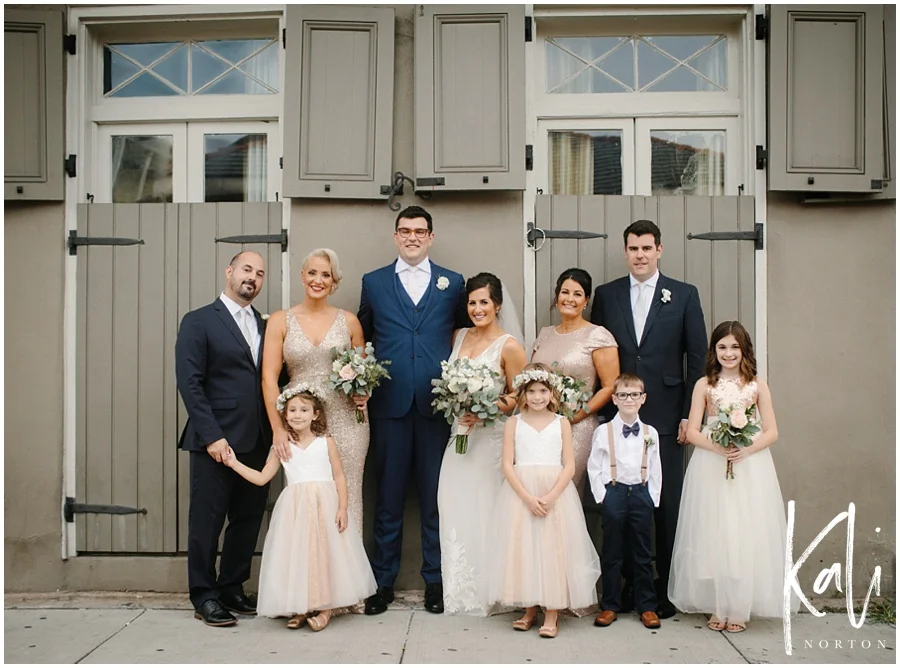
pixel 339 90
pixel 890 102
pixel 469 96
pixel 33 123
pixel 130 302
pixel 723 271
pixel 826 65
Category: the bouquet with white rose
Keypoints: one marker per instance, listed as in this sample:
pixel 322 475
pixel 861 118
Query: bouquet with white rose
pixel 574 394
pixel 357 371
pixel 733 426
pixel 465 387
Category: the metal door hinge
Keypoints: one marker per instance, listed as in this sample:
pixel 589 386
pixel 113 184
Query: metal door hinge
pixel 284 38
pixel 69 44
pixel 75 241
pixel 528 29
pixel 529 157
pixel 70 509
pixel 536 234
pixel 756 236
pixel 281 238
pixel 762 157
pixel 762 27
pixel 281 162
pixel 69 166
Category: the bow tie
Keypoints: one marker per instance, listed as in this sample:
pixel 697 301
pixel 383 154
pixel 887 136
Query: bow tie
pixel 633 430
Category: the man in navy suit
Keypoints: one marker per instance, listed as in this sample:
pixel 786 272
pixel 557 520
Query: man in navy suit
pixel 218 357
pixel 409 310
pixel 658 324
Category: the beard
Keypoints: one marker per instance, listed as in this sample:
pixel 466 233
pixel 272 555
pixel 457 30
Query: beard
pixel 245 289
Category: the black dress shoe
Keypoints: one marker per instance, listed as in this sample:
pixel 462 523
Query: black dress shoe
pixel 434 597
pixel 212 613
pixel 239 603
pixel 665 609
pixel 378 602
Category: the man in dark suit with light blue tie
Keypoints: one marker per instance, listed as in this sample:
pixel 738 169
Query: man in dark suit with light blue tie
pixel 658 324
pixel 409 310
pixel 217 367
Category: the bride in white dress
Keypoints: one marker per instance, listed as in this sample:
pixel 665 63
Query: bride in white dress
pixel 469 483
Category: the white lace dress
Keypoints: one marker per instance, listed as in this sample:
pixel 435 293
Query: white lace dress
pixel 467 490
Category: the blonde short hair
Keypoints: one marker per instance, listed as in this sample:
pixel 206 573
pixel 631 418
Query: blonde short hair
pixel 331 256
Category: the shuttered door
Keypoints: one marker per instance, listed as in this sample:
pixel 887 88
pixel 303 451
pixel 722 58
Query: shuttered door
pixel 128 413
pixel 722 270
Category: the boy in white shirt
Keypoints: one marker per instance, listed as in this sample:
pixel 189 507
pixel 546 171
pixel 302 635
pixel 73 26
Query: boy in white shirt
pixel 626 479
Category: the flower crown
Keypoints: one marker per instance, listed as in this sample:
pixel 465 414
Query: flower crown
pixel 549 379
pixel 292 391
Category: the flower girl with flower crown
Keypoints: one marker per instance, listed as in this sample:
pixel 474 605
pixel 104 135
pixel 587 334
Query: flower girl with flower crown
pixel 543 553
pixel 310 562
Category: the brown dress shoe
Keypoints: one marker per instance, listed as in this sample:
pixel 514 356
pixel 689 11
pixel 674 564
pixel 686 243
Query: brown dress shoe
pixel 650 620
pixel 606 618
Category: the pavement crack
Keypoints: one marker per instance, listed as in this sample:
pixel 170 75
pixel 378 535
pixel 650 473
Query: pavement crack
pixel 406 637
pixel 111 636
pixel 737 649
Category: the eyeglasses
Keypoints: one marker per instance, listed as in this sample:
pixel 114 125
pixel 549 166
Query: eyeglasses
pixel 634 396
pixel 420 232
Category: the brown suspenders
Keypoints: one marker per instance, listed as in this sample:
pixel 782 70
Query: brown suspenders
pixel 612 454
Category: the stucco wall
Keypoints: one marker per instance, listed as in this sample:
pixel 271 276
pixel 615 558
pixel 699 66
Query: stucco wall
pixel 34 242
pixel 832 336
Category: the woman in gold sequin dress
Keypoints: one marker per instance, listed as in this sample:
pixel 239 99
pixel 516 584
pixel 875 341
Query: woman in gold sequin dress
pixel 581 350
pixel 302 337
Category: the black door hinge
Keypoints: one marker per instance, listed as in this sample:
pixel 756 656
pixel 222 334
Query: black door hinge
pixel 75 241
pixel 69 44
pixel 281 162
pixel 70 166
pixel 284 38
pixel 529 157
pixel 280 238
pixel 762 27
pixel 71 508
pixel 761 157
pixel 528 33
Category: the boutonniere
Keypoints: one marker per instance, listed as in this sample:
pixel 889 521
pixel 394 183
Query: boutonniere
pixel 443 283
pixel 264 316
pixel 648 441
pixel 666 295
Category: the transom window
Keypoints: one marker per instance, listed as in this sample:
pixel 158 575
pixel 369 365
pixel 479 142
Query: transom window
pixel 209 67
pixel 637 64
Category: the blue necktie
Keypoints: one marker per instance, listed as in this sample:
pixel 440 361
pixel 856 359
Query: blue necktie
pixel 633 430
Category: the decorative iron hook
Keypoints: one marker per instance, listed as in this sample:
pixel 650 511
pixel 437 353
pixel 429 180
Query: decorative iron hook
pixel 397 189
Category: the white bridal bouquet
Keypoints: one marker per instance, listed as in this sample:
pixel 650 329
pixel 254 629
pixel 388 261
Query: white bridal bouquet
pixel 357 371
pixel 574 394
pixel 465 387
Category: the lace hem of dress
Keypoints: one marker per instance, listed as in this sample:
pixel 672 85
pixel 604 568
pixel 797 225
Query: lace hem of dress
pixel 458 577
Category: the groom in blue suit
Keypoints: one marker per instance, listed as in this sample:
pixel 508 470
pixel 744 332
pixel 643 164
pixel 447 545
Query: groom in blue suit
pixel 658 324
pixel 409 310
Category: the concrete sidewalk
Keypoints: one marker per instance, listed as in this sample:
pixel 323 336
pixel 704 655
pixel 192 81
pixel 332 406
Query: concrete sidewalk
pixel 159 628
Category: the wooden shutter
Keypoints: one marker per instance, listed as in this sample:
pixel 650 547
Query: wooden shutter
pixel 470 97
pixel 339 94
pixel 890 102
pixel 826 98
pixel 33 105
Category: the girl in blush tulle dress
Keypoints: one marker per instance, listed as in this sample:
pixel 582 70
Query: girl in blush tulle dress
pixel 543 554
pixel 728 559
pixel 310 561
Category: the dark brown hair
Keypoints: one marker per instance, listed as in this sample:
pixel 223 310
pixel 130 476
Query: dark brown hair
pixel 748 357
pixel 411 212
pixel 319 425
pixel 580 276
pixel 489 281
pixel 641 227
pixel 628 379
pixel 521 402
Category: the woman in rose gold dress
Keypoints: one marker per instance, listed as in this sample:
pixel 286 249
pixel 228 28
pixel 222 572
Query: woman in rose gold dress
pixel 302 338
pixel 581 350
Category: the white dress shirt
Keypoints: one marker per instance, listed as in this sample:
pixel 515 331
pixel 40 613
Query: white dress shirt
pixel 629 452
pixel 649 288
pixel 234 308
pixel 414 279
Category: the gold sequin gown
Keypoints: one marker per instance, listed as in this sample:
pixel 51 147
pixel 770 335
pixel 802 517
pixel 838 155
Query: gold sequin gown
pixel 312 364
pixel 573 354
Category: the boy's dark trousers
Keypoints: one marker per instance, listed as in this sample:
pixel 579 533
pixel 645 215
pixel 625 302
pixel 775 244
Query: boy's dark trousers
pixel 627 507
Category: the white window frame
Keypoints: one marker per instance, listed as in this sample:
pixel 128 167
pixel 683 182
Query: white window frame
pixel 542 147
pixel 83 113
pixel 643 154
pixel 103 177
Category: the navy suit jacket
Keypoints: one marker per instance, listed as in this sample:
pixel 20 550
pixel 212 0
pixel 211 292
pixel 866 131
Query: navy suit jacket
pixel 674 330
pixel 416 338
pixel 219 384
